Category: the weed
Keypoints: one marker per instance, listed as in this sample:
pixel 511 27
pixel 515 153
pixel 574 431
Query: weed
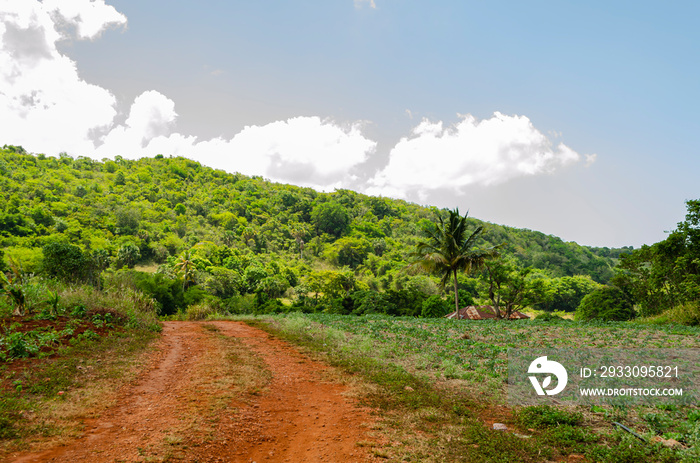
pixel 542 416
pixel 658 423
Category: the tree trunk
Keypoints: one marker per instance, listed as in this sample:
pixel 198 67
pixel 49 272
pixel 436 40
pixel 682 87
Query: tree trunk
pixel 459 317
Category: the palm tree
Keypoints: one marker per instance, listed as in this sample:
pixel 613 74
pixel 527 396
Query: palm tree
pixel 299 232
pixel 185 265
pixel 447 250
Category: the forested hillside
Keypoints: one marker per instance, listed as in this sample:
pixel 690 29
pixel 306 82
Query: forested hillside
pixel 191 234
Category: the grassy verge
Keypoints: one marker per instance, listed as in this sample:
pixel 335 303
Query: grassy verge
pixel 54 396
pixel 440 391
pixel 64 359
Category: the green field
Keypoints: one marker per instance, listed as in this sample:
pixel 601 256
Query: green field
pixel 442 384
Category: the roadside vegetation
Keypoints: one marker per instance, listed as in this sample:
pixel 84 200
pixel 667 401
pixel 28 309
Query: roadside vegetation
pixel 65 354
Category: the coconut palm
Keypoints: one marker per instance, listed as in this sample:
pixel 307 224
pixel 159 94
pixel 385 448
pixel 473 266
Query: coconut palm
pixel 447 250
pixel 185 265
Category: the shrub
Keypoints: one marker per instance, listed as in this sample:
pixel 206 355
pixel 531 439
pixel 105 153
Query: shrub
pixel 128 255
pixel 435 307
pixel 167 292
pixel 607 303
pixel 684 314
pixel 65 261
pixel 366 302
pixel 549 317
pixel 199 311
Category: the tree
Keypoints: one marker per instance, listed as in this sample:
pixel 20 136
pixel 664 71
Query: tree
pixel 509 287
pixel 350 251
pixel 447 250
pixel 665 274
pixel 127 220
pixel 331 218
pixel 186 266
pixel 563 294
pixel 299 232
pixel 119 179
pixel 65 261
pixel 128 254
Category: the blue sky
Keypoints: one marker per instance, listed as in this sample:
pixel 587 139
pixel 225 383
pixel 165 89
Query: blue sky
pixel 578 119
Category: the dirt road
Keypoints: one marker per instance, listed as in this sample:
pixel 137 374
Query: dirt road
pixel 223 391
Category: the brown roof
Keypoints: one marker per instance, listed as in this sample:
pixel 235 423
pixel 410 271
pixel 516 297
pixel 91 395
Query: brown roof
pixel 482 312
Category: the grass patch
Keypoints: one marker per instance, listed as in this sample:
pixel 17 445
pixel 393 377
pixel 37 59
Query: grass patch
pixel 545 416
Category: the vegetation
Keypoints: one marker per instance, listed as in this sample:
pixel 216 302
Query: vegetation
pixel 607 303
pixel 666 276
pixel 246 245
pixel 61 327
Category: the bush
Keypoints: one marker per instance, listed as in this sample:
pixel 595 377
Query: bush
pixel 607 303
pixel 167 292
pixel 684 314
pixel 199 311
pixel 241 304
pixel 435 307
pixel 65 261
pixel 549 317
pixel 367 302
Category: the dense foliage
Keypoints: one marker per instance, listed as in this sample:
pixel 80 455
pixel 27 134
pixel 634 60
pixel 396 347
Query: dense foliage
pixel 667 274
pixel 187 234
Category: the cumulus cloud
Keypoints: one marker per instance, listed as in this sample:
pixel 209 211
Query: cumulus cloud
pixel 89 17
pixel 152 114
pixel 43 101
pixel 305 151
pixel 470 152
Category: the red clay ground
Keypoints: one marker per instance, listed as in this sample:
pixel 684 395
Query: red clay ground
pixel 166 415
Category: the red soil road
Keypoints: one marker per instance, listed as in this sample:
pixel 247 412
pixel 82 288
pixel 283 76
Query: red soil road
pixel 299 418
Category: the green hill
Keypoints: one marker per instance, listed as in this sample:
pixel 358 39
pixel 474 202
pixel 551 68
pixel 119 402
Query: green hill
pixel 233 237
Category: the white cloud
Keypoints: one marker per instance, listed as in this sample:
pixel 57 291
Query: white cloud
pixel 304 151
pixel 43 101
pixel 470 152
pixel 90 17
pixel 151 115
pixel 361 3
